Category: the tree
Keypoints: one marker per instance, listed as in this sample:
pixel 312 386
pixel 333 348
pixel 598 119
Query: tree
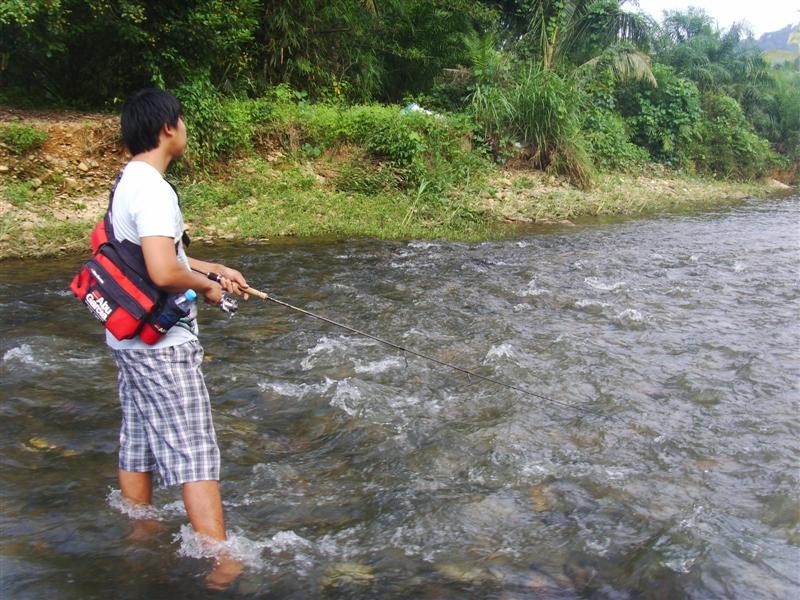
pixel 577 30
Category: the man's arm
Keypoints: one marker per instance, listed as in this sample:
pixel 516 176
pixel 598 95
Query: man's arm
pixel 170 275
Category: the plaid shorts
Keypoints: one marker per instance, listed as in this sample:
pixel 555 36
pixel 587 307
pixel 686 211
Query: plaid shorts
pixel 166 414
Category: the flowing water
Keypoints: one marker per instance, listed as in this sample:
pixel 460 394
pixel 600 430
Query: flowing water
pixel 353 471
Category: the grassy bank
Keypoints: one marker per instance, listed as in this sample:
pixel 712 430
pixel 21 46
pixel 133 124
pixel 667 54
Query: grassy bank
pixel 321 172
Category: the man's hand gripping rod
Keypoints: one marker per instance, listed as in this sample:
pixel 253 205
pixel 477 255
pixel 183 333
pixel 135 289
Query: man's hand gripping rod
pixel 228 304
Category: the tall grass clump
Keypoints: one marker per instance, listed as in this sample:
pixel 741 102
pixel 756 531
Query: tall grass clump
pixel 537 109
pixel 545 115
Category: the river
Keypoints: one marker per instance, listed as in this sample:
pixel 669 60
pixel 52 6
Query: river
pixel 659 457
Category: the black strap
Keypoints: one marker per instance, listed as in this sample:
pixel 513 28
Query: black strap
pixel 185 235
pixel 107 217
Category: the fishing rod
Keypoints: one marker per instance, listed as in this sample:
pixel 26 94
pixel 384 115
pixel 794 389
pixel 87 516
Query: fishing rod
pixel 265 296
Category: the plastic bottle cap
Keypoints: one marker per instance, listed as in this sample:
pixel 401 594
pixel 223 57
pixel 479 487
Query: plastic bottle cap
pixel 190 294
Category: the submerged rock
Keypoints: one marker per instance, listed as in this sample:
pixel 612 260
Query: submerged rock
pixel 38 443
pixel 465 572
pixel 345 573
pixel 542 497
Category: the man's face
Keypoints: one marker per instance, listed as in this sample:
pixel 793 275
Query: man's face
pixel 180 138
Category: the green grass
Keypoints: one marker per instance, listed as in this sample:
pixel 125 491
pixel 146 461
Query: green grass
pixel 22 194
pixel 47 238
pixel 262 202
pixel 22 138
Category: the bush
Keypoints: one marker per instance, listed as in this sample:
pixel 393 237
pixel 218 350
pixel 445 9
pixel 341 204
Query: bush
pixel 609 142
pixel 218 127
pixel 22 138
pixel 663 119
pixel 727 145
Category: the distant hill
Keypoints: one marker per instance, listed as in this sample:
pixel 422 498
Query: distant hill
pixel 779 40
pixel 783 45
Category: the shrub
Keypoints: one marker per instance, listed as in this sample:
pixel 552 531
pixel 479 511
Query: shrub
pixel 663 119
pixel 727 145
pixel 22 138
pixel 609 142
pixel 218 127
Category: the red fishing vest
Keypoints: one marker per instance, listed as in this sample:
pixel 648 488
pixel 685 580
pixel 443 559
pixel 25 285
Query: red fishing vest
pixel 114 284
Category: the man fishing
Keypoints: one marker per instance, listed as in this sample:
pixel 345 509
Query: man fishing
pixel 166 414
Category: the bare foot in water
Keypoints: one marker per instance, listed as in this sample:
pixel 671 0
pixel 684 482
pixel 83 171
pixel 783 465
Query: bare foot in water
pixel 224 573
pixel 145 529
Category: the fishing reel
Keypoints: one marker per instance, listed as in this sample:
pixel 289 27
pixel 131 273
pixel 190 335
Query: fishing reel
pixel 228 304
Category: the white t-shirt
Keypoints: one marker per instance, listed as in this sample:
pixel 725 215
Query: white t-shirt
pixel 145 205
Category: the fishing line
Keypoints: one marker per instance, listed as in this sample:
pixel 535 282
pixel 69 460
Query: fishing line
pixel 469 373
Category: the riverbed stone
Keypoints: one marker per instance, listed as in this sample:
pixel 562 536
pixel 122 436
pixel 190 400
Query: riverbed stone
pixel 82 166
pixel 348 573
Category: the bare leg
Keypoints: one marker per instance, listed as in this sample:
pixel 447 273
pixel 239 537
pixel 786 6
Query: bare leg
pixel 204 506
pixel 136 487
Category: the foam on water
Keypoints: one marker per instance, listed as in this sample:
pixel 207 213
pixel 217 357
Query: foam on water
pixel 605 286
pixel 504 350
pixel 346 397
pixel 285 541
pixel 26 355
pixel 380 366
pixel 531 290
pixel 295 390
pixel 589 303
pixel 327 345
pixel 85 360
pixel 237 547
pixel 631 315
pixel 23 354
pixel 117 502
pixel 424 245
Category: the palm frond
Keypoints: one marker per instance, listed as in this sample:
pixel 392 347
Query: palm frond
pixel 627 64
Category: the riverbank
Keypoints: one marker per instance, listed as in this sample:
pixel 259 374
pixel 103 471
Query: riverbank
pixel 51 195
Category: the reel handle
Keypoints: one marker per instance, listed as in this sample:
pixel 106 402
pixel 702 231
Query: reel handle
pixel 252 291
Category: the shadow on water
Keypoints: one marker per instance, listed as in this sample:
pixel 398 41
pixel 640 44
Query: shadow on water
pixel 352 471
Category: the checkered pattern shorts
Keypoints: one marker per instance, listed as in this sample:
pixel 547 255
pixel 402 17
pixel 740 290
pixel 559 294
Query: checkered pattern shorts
pixel 166 414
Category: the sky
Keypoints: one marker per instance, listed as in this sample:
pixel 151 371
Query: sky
pixel 762 16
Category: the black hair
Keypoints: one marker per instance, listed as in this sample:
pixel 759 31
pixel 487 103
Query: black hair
pixel 144 113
